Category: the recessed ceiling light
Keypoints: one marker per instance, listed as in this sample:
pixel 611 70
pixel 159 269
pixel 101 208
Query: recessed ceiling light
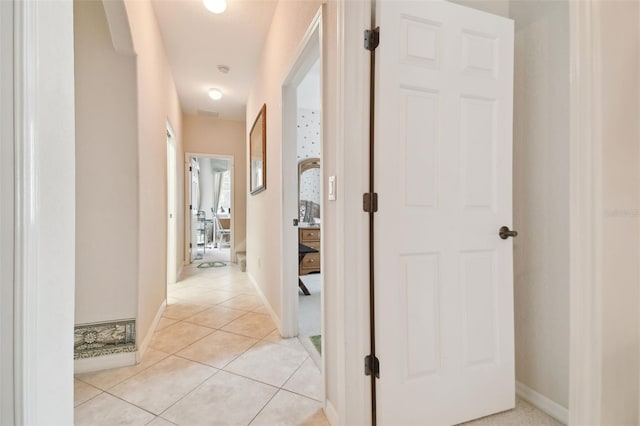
pixel 215 6
pixel 215 94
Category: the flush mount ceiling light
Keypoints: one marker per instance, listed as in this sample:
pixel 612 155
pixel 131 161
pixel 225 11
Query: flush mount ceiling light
pixel 215 6
pixel 215 94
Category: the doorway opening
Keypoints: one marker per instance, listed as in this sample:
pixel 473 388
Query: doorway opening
pixel 308 153
pixel 303 200
pixel 210 209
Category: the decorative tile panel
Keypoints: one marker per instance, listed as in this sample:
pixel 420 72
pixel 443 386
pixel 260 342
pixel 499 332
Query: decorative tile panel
pixel 104 338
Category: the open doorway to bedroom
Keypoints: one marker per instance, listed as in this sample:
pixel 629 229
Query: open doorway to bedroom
pixel 303 200
pixel 210 209
pixel 308 162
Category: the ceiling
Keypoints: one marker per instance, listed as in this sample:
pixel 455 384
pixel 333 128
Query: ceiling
pixel 197 41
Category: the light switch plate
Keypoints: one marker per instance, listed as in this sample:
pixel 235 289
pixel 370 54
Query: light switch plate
pixel 332 188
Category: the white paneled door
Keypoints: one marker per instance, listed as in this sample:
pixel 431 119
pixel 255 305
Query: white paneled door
pixel 444 278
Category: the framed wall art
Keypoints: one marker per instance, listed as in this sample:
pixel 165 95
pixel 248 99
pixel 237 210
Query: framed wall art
pixel 258 153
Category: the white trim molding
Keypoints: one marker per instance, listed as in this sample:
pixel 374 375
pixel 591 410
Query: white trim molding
pixel 349 125
pixel 44 211
pixel 119 27
pixel 266 303
pixel 144 344
pixel 7 195
pixel 331 413
pixel 586 281
pixel 308 52
pixel 88 365
pixel 546 405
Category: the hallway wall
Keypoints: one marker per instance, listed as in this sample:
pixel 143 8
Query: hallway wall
pixel 123 105
pixel 264 210
pixel 106 172
pixel 157 103
pixel 541 196
pixel 620 40
pixel 209 135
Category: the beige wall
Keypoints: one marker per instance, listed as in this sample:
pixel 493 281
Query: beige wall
pixel 106 172
pixel 621 202
pixel 496 7
pixel 541 196
pixel 157 103
pixel 208 135
pixel 264 210
pixel 123 105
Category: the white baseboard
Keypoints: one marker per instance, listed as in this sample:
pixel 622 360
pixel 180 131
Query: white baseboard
pixel 142 347
pixel 331 413
pixel 543 403
pixel 87 365
pixel 272 313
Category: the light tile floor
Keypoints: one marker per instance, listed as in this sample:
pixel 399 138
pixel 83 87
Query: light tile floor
pixel 215 358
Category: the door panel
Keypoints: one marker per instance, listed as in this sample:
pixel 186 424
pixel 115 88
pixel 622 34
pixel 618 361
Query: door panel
pixel 444 279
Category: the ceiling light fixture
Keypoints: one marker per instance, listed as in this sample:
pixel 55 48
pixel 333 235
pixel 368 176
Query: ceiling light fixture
pixel 215 6
pixel 215 94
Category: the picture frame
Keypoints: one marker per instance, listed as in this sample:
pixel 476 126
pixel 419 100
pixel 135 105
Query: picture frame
pixel 258 153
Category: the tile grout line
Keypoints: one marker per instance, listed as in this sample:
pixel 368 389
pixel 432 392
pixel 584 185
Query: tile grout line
pixel 130 377
pixel 142 408
pixel 93 397
pixel 191 391
pixel 215 329
pixel 264 406
pixel 130 403
pixel 216 370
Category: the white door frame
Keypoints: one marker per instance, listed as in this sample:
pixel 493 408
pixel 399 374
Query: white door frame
pixel 188 246
pixel 187 222
pixel 6 215
pixel 172 206
pixel 586 283
pixel 309 51
pixel 347 123
pixel 44 227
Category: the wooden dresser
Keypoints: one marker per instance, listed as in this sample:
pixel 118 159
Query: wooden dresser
pixel 310 237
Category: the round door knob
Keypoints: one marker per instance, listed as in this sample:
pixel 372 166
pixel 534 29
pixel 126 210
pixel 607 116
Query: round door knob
pixel 505 233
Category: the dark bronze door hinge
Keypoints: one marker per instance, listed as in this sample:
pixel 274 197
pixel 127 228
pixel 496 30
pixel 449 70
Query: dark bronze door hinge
pixel 372 39
pixel 370 202
pixel 371 366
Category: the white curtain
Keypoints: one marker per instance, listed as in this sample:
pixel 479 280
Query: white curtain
pixel 217 184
